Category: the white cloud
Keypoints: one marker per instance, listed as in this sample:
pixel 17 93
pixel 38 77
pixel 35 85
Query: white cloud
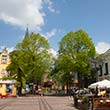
pixel 22 12
pixel 9 49
pixel 102 47
pixel 50 6
pixel 53 52
pixel 51 33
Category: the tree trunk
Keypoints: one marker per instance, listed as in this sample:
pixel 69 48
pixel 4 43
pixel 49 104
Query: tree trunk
pixel 19 91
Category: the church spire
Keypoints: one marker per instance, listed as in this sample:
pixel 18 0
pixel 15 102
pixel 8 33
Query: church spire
pixel 27 32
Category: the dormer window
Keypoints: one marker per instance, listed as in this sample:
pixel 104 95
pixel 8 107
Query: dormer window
pixel 4 59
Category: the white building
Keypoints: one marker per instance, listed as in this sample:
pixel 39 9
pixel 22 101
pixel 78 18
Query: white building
pixel 104 71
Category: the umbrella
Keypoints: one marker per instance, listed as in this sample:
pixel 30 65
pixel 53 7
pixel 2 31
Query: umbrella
pixel 101 84
pixel 7 81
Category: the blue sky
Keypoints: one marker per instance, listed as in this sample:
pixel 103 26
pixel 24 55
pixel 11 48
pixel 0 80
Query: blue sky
pixel 54 19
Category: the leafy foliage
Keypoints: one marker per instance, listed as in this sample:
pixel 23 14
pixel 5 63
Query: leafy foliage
pixel 79 48
pixel 75 49
pixel 30 60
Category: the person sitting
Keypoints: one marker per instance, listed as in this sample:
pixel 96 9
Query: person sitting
pixel 102 93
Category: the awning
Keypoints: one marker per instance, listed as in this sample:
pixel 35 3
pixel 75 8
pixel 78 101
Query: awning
pixel 101 84
pixel 7 81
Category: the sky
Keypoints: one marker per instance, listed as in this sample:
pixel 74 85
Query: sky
pixel 54 19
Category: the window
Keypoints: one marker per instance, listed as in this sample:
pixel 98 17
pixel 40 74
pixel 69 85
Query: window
pixel 100 70
pixel 4 59
pixel 106 68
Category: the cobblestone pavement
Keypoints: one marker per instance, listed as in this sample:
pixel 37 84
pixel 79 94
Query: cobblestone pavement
pixel 37 103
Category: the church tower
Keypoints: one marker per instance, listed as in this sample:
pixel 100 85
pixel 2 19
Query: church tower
pixel 27 32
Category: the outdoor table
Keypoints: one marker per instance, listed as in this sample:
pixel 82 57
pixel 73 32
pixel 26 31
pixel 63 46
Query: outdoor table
pixel 101 103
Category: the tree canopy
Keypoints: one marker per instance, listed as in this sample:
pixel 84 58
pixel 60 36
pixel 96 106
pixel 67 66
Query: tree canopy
pixel 78 48
pixel 75 49
pixel 30 59
pixel 36 55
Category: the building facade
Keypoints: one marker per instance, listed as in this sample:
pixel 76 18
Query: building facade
pixel 104 71
pixel 4 62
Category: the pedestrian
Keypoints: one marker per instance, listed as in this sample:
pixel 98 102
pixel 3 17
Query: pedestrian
pixel 70 91
pixel 96 92
pixel 76 97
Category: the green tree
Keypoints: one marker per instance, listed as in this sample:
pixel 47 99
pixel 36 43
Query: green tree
pixel 75 49
pixel 30 60
pixel 16 68
pixel 61 73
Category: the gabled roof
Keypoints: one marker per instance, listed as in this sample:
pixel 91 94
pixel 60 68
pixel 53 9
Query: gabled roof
pixel 107 52
pixel 106 55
